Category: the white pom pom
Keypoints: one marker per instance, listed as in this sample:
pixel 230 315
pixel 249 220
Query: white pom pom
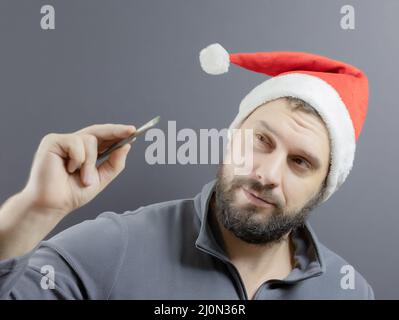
pixel 214 59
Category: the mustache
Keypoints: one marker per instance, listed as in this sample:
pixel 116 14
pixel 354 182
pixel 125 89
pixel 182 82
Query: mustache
pixel 262 191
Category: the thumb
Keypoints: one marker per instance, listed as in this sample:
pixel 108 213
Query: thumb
pixel 114 165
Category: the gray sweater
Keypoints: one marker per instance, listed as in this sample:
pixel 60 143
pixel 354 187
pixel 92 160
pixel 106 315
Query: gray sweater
pixel 166 250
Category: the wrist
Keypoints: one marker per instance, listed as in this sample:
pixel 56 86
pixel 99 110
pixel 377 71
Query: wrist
pixel 23 224
pixel 29 203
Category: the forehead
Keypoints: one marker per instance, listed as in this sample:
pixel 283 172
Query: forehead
pixel 296 129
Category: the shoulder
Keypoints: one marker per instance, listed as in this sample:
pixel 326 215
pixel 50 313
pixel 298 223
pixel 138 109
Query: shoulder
pixel 92 242
pixel 343 279
pixel 110 229
pixel 171 211
pixel 161 222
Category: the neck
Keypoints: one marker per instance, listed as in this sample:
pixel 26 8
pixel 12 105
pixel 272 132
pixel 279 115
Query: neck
pixel 268 261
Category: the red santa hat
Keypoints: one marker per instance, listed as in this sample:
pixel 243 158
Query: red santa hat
pixel 338 91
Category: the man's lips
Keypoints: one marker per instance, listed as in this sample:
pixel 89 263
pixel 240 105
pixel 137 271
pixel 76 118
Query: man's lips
pixel 254 198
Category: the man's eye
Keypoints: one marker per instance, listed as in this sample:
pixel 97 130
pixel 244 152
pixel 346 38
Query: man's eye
pixel 260 138
pixel 301 162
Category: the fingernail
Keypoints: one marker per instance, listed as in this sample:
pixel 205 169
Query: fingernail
pixel 70 167
pixel 88 179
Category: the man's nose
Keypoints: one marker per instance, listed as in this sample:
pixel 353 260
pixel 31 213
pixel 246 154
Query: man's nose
pixel 270 169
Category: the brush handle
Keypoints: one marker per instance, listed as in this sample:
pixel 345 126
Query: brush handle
pixel 129 139
pixel 116 146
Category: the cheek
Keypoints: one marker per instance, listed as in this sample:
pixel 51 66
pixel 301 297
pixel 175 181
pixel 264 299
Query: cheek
pixel 228 170
pixel 297 191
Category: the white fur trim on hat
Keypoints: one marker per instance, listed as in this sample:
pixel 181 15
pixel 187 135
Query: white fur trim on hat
pixel 214 59
pixel 325 99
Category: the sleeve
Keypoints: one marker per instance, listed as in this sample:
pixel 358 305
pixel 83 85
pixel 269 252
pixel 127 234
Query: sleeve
pixel 81 262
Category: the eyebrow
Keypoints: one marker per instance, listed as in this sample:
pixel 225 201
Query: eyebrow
pixel 312 158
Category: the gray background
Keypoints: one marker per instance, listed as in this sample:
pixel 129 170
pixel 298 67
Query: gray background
pixel 128 61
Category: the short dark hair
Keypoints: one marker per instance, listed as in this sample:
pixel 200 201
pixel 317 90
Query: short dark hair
pixel 301 105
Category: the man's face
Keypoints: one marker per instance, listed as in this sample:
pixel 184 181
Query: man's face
pixel 290 151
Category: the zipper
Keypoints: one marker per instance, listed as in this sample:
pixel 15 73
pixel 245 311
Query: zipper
pixel 283 281
pixel 233 271
pixel 237 277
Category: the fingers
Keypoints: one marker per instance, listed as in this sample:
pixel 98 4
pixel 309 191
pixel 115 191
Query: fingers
pixel 88 172
pixel 74 150
pixel 114 165
pixel 80 149
pixel 105 132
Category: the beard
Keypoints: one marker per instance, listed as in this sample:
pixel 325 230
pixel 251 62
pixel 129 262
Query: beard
pixel 248 222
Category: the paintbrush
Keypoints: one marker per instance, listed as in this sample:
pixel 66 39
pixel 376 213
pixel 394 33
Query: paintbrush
pixel 129 139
